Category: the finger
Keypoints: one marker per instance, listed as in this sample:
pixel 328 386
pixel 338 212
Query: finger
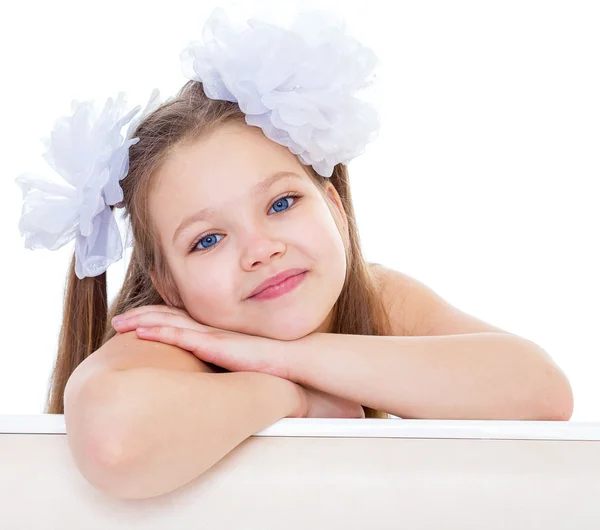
pixel 187 339
pixel 149 308
pixel 157 318
pixel 145 310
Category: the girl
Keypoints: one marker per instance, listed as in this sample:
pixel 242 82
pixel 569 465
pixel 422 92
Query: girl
pixel 247 298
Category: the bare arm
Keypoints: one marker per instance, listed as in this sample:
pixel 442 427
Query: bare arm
pixel 144 431
pixel 467 376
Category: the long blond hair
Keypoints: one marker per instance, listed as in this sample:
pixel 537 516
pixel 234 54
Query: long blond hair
pixel 86 320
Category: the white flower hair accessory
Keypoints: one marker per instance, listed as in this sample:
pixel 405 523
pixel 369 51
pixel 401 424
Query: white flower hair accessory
pixel 91 156
pixel 296 84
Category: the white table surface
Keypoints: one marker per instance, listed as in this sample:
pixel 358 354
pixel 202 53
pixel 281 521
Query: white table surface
pixel 364 428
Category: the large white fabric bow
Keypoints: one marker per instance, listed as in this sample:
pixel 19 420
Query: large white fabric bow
pixel 297 84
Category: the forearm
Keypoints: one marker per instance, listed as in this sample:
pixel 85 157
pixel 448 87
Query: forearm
pixel 471 376
pixel 170 426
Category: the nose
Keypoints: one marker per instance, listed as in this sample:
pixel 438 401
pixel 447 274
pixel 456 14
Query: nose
pixel 260 248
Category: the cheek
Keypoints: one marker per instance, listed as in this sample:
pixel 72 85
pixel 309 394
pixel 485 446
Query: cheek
pixel 208 293
pixel 324 239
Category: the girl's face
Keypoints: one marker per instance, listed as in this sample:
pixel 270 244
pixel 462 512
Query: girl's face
pixel 250 232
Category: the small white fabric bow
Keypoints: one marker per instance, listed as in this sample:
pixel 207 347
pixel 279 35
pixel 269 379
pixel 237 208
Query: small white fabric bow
pixel 91 156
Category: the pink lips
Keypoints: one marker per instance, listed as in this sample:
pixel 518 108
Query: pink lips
pixel 279 284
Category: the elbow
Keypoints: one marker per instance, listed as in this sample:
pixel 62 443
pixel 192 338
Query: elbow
pixel 101 460
pixel 97 452
pixel 558 402
pixel 112 475
pixel 102 466
pixel 563 409
pixel 553 395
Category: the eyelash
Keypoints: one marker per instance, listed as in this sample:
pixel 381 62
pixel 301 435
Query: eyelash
pixel 193 248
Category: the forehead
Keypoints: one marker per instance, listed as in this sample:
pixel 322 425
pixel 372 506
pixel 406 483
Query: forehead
pixel 233 154
pixel 214 172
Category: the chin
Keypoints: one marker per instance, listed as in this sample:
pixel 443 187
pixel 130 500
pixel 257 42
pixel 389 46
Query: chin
pixel 287 333
pixel 295 330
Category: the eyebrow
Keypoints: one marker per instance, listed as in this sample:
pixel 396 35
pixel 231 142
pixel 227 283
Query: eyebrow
pixel 257 189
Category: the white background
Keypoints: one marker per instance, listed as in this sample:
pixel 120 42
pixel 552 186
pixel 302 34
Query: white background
pixel 482 182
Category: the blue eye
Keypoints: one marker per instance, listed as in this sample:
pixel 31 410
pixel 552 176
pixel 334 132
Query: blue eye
pixel 282 203
pixel 209 240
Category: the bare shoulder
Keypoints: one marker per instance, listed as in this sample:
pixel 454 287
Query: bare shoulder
pixel 417 310
pixel 125 351
pixel 395 288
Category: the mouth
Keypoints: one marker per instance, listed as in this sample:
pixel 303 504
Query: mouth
pixel 285 286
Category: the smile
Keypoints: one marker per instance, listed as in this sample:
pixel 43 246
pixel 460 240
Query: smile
pixel 284 287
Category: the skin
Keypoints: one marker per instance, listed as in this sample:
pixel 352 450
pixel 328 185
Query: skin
pixel 253 239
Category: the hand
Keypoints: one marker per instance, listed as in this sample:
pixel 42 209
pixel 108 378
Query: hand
pixel 318 404
pixel 236 352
